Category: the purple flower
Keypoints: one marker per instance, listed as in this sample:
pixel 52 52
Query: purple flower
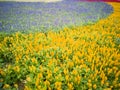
pixel 26 16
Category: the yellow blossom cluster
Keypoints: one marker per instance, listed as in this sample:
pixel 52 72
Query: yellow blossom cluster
pixel 78 58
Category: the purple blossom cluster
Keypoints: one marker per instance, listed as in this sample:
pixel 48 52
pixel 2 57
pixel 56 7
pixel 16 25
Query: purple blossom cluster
pixel 40 16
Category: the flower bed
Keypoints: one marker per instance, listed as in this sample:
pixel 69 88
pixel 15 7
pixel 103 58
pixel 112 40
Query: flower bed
pixel 33 0
pixel 78 58
pixel 32 16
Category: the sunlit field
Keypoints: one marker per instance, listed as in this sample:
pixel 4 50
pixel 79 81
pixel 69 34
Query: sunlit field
pixel 82 53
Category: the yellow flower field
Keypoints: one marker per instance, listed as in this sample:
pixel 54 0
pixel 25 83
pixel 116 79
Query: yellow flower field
pixel 78 58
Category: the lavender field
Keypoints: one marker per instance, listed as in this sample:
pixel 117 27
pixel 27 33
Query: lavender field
pixel 59 45
pixel 40 16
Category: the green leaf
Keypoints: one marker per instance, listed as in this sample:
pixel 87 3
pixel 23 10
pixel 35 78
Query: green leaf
pixel 1 84
pixel 45 88
pixel 118 41
pixel 1 60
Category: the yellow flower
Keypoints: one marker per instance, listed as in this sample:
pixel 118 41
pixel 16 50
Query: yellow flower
pixel 28 79
pixel 52 53
pixel 114 82
pixel 118 84
pixel 70 86
pixel 109 71
pixel 32 68
pixel 39 87
pixel 41 68
pixel 15 85
pixel 27 88
pixel 2 72
pixel 107 89
pixel 47 55
pixel 34 60
pixel 58 88
pixel 50 63
pixel 6 86
pixel 9 66
pixel 67 77
pixel 94 86
pixel 70 64
pixel 49 74
pixel 16 68
pixel 111 87
pixel 78 79
pixel 117 74
pixel 56 69
pixel 74 72
pixel 89 85
pixel 47 83
pixel 107 84
pixel 65 71
pixel 102 82
pixel 40 75
pixel 49 88
pixel 89 80
pixel 37 82
pixel 58 85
